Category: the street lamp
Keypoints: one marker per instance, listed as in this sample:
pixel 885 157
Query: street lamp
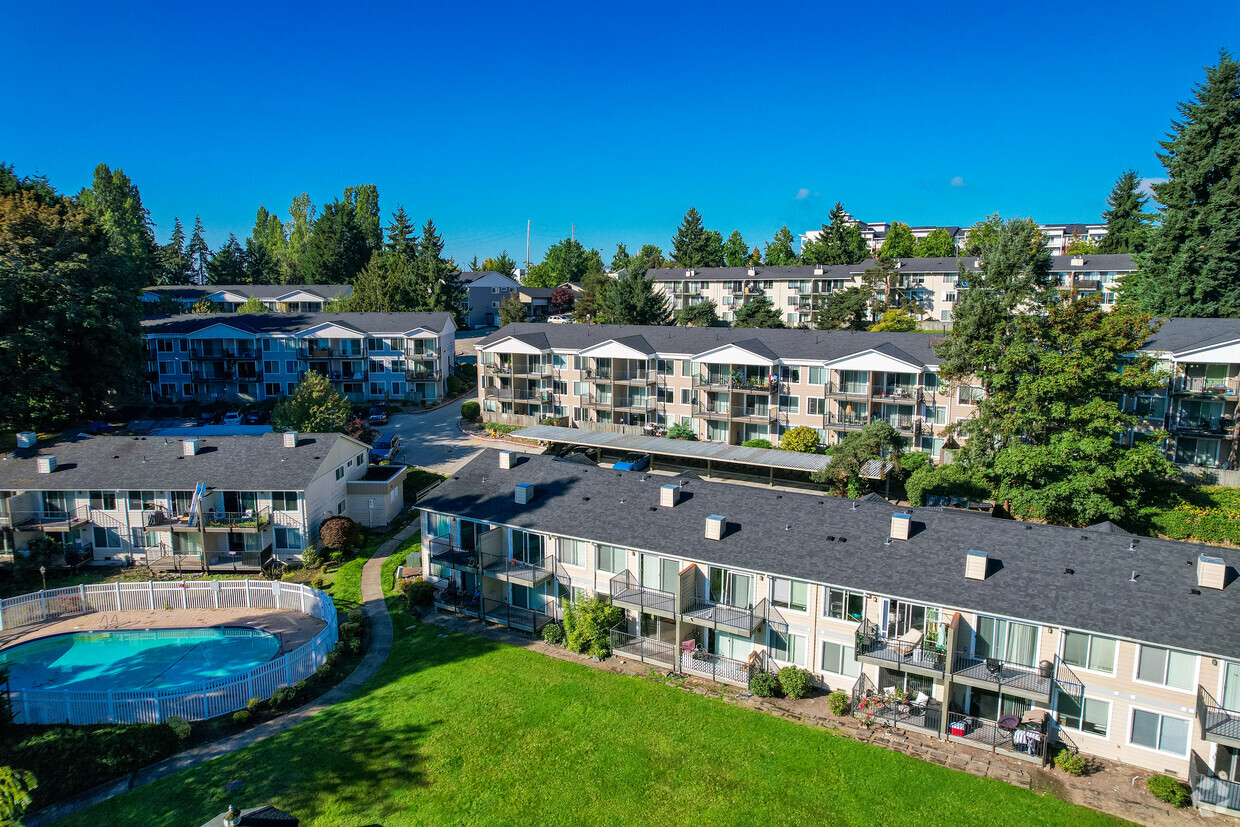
pixel 43 574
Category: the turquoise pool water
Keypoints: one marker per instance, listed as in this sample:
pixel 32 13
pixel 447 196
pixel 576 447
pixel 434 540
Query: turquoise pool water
pixel 129 660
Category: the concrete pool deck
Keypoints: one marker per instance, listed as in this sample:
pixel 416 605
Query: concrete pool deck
pixel 291 628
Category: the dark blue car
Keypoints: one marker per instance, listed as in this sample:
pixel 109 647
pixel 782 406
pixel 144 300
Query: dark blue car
pixel 633 462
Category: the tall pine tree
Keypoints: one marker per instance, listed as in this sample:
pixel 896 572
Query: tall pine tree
pixel 779 250
pixel 434 278
pixel 197 254
pixel 1125 216
pixel 840 242
pixel 694 245
pixel 173 263
pixel 228 265
pixel 735 251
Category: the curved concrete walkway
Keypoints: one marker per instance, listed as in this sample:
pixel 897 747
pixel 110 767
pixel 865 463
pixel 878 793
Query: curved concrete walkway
pixel 380 646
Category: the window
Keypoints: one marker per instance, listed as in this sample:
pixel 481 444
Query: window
pixel 1006 640
pixel 815 406
pixel 292 386
pixel 1089 715
pixel 612 559
pixel 165 367
pixel 340 472
pixel 437 525
pixel 790 594
pixel 788 647
pixel 970 395
pixel 790 404
pixel 360 459
pixel 284 500
pixel 288 538
pixel 141 500
pixel 103 500
pixel 936 414
pixel 686 396
pixel 949 296
pixel 1150 407
pixel 271 367
pixel 1159 732
pixel 163 345
pixel 137 537
pixel 1166 667
pixel 930 381
pixel 686 367
pixel 1089 651
pixel 185 370
pixel 845 605
pixel 341 506
pixel 818 376
pixel 271 388
pixel 106 537
pixel 290 367
pixel 579 389
pixel 573 552
pixel 838 659
pixel 664 366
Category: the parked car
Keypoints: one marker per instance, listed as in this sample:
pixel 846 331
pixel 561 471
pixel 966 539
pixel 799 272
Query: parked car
pixel 255 417
pixel 560 318
pixel 385 449
pixel 632 462
pixel 233 418
pixel 208 418
pixel 378 415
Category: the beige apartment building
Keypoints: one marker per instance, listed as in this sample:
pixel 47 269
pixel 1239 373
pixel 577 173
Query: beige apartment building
pixel 728 385
pixel 1000 635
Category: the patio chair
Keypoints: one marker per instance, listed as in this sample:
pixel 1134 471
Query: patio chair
pixel 993 667
pixel 907 642
pixel 918 704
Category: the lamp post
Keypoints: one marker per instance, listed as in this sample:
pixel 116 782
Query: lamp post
pixel 43 574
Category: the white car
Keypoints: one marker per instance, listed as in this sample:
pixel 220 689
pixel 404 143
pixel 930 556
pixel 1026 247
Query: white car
pixel 560 318
pixel 232 418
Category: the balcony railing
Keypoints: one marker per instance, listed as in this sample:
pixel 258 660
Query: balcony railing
pixel 532 370
pixel 1209 790
pixel 644 649
pixel 513 570
pixel 742 621
pixel 530 620
pixel 1218 724
pixel 504 369
pixel 424 354
pixel 750 384
pixel 633 376
pixel 1027 742
pixel 50 519
pixel 1185 423
pixel 239 560
pixel 238 520
pixel 703 664
pixel 421 375
pixel 711 411
pixel 1035 682
pixel 158 518
pixel 445 554
pixel 838 391
pixel 755 413
pixel 906 653
pixel 457 601
pixel 896 393
pixel 871 705
pixel 1202 386
pixel 845 421
pixel 627 592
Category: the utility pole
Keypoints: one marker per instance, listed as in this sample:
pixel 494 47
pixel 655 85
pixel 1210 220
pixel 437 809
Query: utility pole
pixel 574 231
pixel 527 244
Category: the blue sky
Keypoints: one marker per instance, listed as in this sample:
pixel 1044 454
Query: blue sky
pixel 617 117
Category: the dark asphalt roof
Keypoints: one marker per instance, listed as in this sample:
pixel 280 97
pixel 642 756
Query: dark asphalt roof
pixel 261 291
pixel 288 323
pixel 473 275
pixel 1059 264
pixel 787 533
pixel 1179 335
pixel 813 345
pixel 118 463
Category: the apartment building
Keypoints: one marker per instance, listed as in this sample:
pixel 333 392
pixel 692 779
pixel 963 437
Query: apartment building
pixel 220 503
pixel 728 385
pixel 931 284
pixel 1056 236
pixel 993 633
pixel 484 290
pixel 277 298
pixel 249 357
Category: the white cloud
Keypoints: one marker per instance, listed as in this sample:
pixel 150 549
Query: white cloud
pixel 958 181
pixel 1145 185
pixel 802 193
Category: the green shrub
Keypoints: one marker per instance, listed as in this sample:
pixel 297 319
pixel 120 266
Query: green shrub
pixel 498 430
pixel 945 480
pixel 913 461
pixel 353 646
pixel 802 439
pixel 331 661
pixel 355 615
pixel 420 594
pixel 180 727
pixel 1165 788
pixel 283 697
pixel 350 631
pixel 312 558
pixel 553 634
pixel 455 386
pixel 757 443
pixel 318 582
pixel 838 703
pixel 795 682
pixel 253 704
pixel 587 625
pixel 1071 762
pixel 764 685
pixel 681 431
pixel 241 717
pixel 467 371
pixel 471 410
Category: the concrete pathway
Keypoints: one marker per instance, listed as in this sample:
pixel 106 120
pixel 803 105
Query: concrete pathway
pixel 380 646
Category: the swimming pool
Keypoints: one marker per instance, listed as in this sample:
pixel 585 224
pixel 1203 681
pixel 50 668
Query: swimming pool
pixel 130 660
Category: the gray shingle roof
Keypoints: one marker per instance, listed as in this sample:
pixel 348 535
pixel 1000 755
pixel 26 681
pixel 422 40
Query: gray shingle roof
pixel 289 323
pixel 787 533
pixel 116 463
pixel 1179 335
pixel 261 291
pixel 804 345
pixel 1059 264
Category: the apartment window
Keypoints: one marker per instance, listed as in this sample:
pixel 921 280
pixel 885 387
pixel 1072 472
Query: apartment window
pixel 340 472
pixel 494 289
pixel 815 406
pixel 1089 651
pixel 164 345
pixel 936 414
pixel 1150 407
pixel 818 376
pixel 930 381
pixel 292 386
pixel 185 368
pixel 187 389
pixel 437 525
pixel 1159 732
pixel 790 594
pixel 271 367
pixel 788 647
pixel 790 374
pixel 341 506
pixel 137 537
pixel 288 538
pixel 271 388
pixel 284 500
pixel 103 500
pixel 579 389
pixel 494 304
pixel 686 367
pixel 572 552
pixel 577 364
pixel 665 395
pixel 789 404
pixel 1089 715
pixel 1166 667
pixel 106 537
pixel 949 296
pixel 141 500
pixel 290 367
pixel 612 559
pixel 686 396
pixel 1006 640
pixel 949 278
pixel 838 659
pixel 845 605
pixel 183 345
pixel 970 395
pixel 360 458
pixel 664 366
pixel 166 367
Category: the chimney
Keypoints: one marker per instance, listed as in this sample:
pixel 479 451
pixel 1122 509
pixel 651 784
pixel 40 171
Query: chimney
pixel 977 264
pixel 45 465
pixel 525 493
pixel 900 525
pixel 753 271
pixel 669 495
pixel 690 273
pixel 1078 262
pixel 189 447
pixel 26 439
pixel 1211 572
pixel 818 271
pixel 290 439
pixel 975 563
pixel 714 527
pixel 507 459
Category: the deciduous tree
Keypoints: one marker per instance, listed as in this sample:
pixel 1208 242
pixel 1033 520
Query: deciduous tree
pixel 252 305
pixel 876 440
pixel 313 407
pixel 735 251
pixel 895 320
pixel 512 311
pixel 937 244
pixel 779 250
pixel 114 202
pixel 899 242
pixel 562 299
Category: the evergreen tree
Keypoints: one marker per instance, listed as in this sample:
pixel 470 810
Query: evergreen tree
pixel 402 236
pixel 702 314
pixel 714 248
pixel 512 311
pixel 341 241
pixel 434 278
pixel 174 263
pixel 502 263
pixel 847 309
pixel 621 259
pixel 115 203
pixel 370 289
pixel 594 287
pixel 694 245
pixel 632 299
pixel 1125 217
pixel 938 244
pixel 650 256
pixel 899 242
pixel 735 251
pixel 198 254
pixel 228 266
pixel 758 313
pixel 839 242
pixel 779 251
pixel 755 258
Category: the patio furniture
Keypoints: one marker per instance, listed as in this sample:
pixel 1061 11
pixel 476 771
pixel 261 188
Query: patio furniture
pixel 918 704
pixel 993 667
pixel 907 642
pixel 1008 722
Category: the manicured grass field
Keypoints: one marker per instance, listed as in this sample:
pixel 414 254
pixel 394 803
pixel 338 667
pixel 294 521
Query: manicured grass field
pixel 461 730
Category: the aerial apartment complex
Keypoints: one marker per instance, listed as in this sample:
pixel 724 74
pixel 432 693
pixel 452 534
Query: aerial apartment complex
pixel 993 633
pixel 1057 237
pixel 250 357
pixel 277 298
pixel 219 503
pixel 931 284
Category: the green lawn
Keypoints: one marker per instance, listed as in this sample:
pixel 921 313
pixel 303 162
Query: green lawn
pixel 461 730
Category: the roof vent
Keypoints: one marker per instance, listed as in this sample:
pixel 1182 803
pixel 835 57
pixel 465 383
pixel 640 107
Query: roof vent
pixel 1211 572
pixel 46 465
pixel 690 272
pixel 975 564
pixel 977 264
pixel 753 271
pixel 900 525
pixel 714 527
pixel 669 495
pixel 290 439
pixel 189 447
pixel 1078 262
pixel 818 271
pixel 525 493
pixel 26 439
pixel 507 459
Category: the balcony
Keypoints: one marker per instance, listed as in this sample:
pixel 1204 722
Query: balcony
pixel 421 354
pixel 702 664
pixel 1218 724
pixel 1209 791
pixel 53 520
pixel 755 413
pixel 503 369
pixel 452 600
pixel 836 391
pixel 908 653
pixel 1186 424
pixel 1035 682
pixel 628 593
pixel 638 404
pixel 897 710
pixel 214 376
pixel 227 353
pixel 644 649
pixel 244 522
pixel 847 422
pixel 731 619
pixel 453 557
pixel 516 617
pixel 899 394
pixel 633 377
pixel 158 519
pixel 1025 741
pixel 734 382
pixel 512 570
pixel 532 371
pixel 422 375
pixel 1200 386
pixel 224 561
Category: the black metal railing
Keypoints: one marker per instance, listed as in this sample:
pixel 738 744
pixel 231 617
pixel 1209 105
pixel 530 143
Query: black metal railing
pixel 238 520
pixel 647 650
pixel 444 553
pixel 713 667
pixel 845 391
pixel 454 600
pixel 1217 722
pixel 628 592
pixel 514 570
pixel 1209 789
pixel 922 654
pixel 518 617
pixel 742 621
pixel 1021 740
pixel 894 709
pixel 235 560
pixel 1009 676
